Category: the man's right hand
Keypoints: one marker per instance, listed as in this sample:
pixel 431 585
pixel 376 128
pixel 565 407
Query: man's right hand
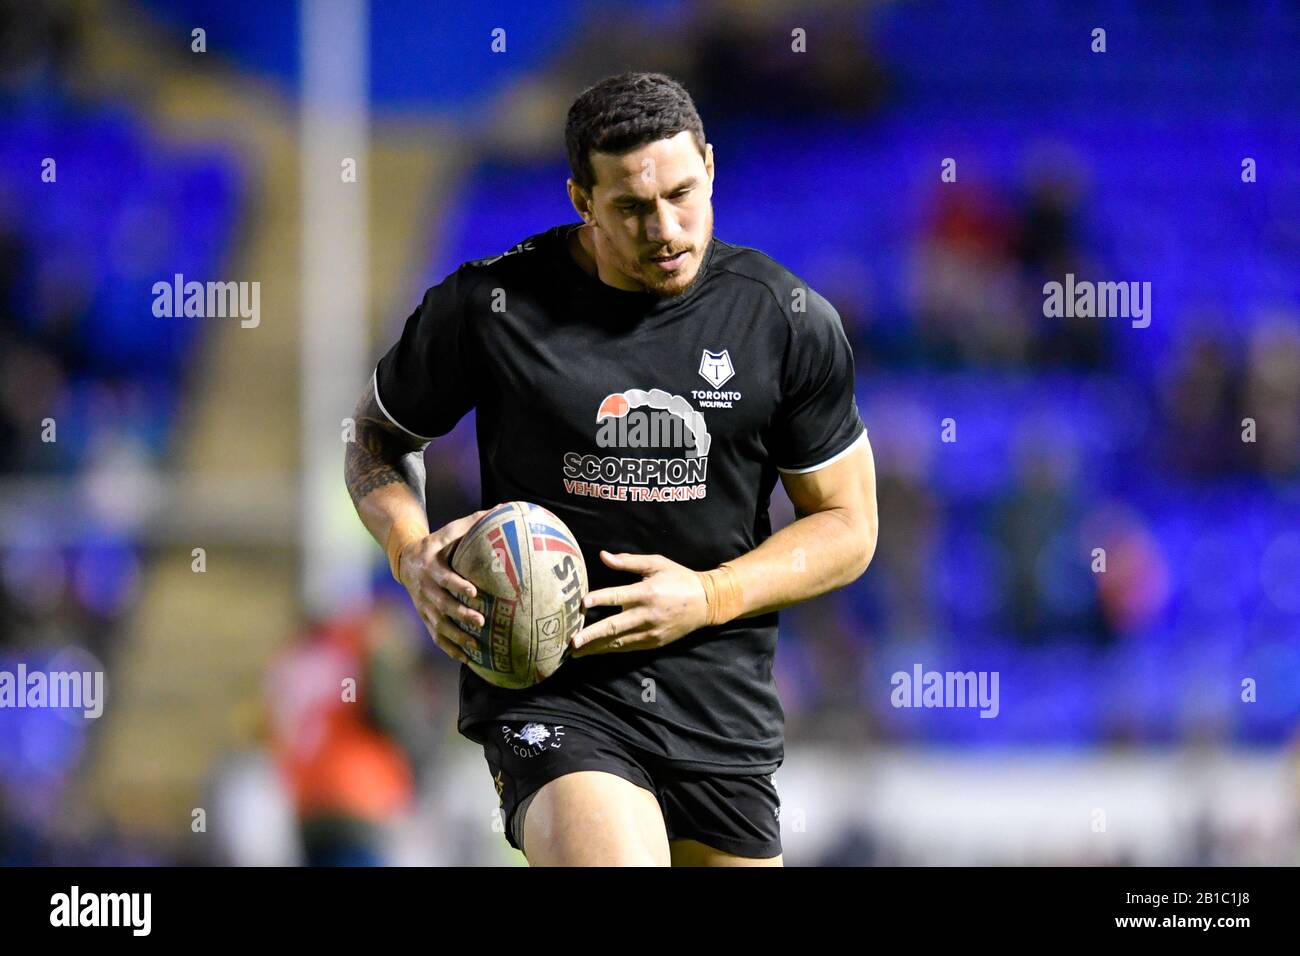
pixel 424 568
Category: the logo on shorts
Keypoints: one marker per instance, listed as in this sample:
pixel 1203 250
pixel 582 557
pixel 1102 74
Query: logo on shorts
pixel 532 738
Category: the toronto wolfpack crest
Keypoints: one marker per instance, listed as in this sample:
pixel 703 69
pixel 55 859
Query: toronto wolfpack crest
pixel 716 367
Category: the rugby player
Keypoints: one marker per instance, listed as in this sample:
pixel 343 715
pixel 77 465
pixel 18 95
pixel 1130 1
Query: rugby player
pixel 648 383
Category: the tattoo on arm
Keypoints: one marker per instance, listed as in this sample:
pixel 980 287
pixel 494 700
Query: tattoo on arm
pixel 382 454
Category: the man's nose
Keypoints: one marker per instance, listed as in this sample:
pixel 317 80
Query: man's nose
pixel 662 225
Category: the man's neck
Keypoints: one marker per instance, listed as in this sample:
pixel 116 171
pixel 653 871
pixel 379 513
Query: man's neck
pixel 580 248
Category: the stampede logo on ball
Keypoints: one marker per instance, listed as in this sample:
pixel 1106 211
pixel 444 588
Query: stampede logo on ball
pixel 532 739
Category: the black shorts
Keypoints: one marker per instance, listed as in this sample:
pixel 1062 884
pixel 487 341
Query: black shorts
pixel 739 815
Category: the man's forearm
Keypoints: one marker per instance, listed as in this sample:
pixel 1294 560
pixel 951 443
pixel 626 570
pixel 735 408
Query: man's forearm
pixel 384 472
pixel 808 557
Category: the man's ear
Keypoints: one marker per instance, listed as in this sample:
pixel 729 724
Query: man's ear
pixel 708 160
pixel 581 201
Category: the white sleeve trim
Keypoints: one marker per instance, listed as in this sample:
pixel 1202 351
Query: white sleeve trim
pixel 374 378
pixel 829 461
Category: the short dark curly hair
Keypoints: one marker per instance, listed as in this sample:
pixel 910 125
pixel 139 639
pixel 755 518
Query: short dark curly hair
pixel 623 112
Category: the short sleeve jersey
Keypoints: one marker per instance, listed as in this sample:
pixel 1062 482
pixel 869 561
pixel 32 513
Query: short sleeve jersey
pixel 650 425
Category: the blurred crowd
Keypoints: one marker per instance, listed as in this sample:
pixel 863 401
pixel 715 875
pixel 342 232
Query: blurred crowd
pixel 67 578
pixel 1103 451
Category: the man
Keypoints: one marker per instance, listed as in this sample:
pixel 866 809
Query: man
pixel 346 765
pixel 647 383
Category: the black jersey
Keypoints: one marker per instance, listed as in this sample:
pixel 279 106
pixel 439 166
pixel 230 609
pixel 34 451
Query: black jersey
pixel 650 425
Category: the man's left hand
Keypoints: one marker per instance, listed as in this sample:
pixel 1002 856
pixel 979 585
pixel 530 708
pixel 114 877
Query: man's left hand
pixel 667 603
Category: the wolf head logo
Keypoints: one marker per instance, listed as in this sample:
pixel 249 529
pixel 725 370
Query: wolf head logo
pixel 716 367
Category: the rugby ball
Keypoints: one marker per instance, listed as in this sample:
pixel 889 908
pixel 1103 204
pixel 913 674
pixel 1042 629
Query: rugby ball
pixel 530 577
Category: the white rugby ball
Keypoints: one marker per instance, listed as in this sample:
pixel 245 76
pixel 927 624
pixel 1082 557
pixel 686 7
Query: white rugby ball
pixel 531 578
